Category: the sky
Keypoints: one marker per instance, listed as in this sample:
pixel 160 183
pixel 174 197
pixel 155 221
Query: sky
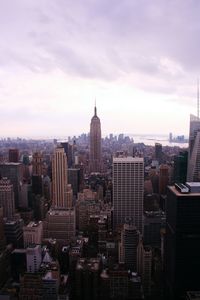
pixel 138 58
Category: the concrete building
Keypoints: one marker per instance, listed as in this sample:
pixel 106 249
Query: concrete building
pixel 33 233
pixel 37 164
pixel 95 143
pixel 154 221
pixel 144 267
pixel 87 278
pixel 60 225
pixel 2 234
pixel 163 179
pixel 14 172
pixel 13 155
pixel 7 198
pixel 128 190
pixel 128 245
pixel 62 192
pixel 14 232
pixel 33 258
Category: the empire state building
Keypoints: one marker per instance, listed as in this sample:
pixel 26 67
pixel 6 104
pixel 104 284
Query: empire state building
pixel 95 143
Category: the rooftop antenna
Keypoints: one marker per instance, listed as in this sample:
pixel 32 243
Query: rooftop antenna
pixel 198 97
pixel 95 108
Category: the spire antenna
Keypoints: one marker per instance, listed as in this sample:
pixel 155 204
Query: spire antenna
pixel 95 108
pixel 198 97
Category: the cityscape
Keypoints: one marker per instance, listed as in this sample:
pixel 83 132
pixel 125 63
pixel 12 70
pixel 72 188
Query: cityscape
pixel 99 150
pixel 99 218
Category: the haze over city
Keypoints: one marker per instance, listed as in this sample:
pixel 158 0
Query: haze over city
pixel 139 59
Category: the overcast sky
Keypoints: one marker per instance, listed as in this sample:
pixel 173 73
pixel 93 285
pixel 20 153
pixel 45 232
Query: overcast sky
pixel 140 59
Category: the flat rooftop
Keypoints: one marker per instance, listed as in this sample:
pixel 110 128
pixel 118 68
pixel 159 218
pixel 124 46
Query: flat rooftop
pixel 128 159
pixel 177 193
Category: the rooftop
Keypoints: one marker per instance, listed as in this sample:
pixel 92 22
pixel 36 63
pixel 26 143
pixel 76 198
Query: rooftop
pixel 128 159
pixel 177 193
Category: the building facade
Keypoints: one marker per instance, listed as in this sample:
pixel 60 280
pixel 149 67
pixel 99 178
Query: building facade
pixel 95 143
pixel 128 190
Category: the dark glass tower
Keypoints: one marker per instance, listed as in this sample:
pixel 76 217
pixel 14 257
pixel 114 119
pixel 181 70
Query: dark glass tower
pixel 182 244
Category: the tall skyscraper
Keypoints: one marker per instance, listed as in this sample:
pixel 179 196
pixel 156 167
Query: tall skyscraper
pixel 37 163
pixel 62 192
pixel 193 171
pixel 182 242
pixel 95 143
pixel 60 219
pixel 128 189
pixel 7 198
pixel 14 172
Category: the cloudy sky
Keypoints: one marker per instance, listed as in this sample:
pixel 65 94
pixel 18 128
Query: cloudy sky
pixel 140 59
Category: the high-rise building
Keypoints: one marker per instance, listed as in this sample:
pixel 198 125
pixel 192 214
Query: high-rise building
pixel 130 237
pixel 163 179
pixel 33 258
pixel 14 172
pixel 2 235
pixel 180 167
pixel 95 143
pixel 193 171
pixel 60 219
pixel 13 155
pixel 7 198
pixel 182 242
pixel 158 152
pixel 69 153
pixel 62 192
pixel 37 163
pixel 128 190
pixel 33 233
pixel 145 267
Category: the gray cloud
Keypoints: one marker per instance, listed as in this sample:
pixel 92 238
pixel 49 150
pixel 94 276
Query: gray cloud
pixel 153 43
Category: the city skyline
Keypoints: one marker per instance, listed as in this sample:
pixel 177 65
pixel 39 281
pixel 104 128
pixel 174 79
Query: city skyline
pixel 138 58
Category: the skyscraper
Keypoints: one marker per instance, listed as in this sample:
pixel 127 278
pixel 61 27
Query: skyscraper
pixel 95 143
pixel 62 192
pixel 7 198
pixel 37 163
pixel 182 242
pixel 128 189
pixel 60 219
pixel 193 171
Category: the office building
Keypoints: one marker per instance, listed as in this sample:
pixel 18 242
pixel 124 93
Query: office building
pixel 14 172
pixel 33 258
pixel 182 244
pixel 60 225
pixel 13 155
pixel 180 167
pixel 14 232
pixel 158 152
pixel 33 233
pixel 95 143
pixel 69 153
pixel 62 192
pixel 7 198
pixel 128 189
pixel 144 267
pixel 74 179
pixel 37 164
pixel 128 245
pixel 163 179
pixel 193 170
pixel 2 235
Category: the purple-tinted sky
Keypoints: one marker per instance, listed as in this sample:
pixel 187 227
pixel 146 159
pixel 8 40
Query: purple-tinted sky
pixel 140 59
